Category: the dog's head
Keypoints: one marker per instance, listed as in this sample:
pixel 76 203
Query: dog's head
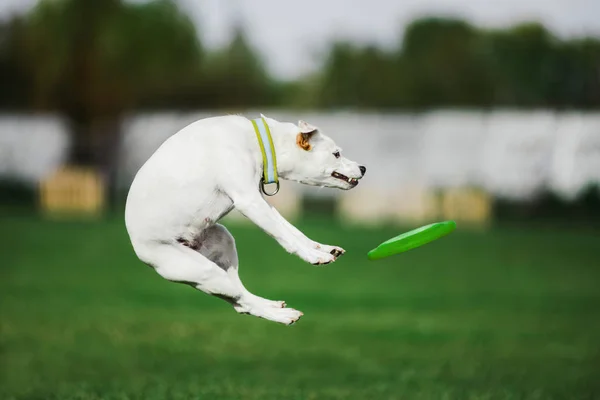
pixel 316 160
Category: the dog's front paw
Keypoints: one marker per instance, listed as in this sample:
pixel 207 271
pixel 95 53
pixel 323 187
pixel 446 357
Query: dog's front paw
pixel 334 250
pixel 316 257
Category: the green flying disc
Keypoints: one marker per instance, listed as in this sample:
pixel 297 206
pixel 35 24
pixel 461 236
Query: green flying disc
pixel 412 239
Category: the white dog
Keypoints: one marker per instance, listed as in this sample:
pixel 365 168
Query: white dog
pixel 208 168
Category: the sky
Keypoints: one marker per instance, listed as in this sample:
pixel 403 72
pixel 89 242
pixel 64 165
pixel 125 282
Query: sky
pixel 292 36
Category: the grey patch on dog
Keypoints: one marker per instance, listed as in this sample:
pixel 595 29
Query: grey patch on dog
pixel 194 285
pixel 220 259
pixel 228 299
pixel 189 283
pixel 216 244
pixel 192 244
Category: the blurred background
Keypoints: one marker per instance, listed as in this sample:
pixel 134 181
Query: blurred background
pixel 487 113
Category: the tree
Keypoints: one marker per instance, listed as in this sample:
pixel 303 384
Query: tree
pixel 578 73
pixel 443 64
pixel 440 62
pixel 13 81
pixel 235 76
pixel 522 61
pixel 359 77
pixel 93 60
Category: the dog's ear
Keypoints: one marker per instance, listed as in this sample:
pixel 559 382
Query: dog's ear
pixel 306 132
pixel 306 128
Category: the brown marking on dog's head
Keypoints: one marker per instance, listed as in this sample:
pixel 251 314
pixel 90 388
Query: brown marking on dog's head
pixel 303 137
pixel 302 140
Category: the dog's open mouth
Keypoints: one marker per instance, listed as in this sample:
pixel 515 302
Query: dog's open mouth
pixel 352 181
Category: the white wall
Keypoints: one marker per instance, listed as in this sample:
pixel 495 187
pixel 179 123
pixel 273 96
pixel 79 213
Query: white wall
pixel 508 153
pixel 31 147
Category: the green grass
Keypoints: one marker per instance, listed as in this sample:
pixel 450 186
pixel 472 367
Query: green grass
pixel 508 314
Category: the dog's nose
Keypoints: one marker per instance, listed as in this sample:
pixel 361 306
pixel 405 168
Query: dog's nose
pixel 363 169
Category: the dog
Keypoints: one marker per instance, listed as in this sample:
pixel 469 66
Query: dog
pixel 205 170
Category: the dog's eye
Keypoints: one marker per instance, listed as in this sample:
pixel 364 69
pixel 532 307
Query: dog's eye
pixel 336 154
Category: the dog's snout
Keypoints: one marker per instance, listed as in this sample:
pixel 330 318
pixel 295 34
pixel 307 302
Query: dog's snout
pixel 363 170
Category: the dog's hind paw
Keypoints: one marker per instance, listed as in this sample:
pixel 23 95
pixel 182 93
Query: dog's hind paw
pixel 267 303
pixel 278 304
pixel 286 316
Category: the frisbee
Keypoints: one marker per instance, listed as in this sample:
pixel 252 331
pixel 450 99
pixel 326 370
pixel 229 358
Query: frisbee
pixel 412 239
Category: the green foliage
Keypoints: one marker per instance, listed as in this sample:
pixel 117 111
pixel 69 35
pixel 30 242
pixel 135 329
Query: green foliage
pixel 507 314
pixel 449 63
pixel 93 60
pixel 94 57
pixel 90 58
pixel 443 65
pixel 161 49
pixel 356 77
pixel 523 61
pixel 235 77
pixel 14 82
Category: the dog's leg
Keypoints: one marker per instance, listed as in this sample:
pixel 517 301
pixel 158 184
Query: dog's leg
pixel 179 263
pixel 218 245
pixel 264 215
pixel 335 250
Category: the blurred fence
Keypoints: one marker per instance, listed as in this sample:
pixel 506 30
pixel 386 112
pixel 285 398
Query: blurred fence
pixel 420 166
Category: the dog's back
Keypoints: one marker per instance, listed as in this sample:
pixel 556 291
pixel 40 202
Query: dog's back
pixel 179 182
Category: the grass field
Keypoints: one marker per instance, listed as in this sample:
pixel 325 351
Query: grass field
pixel 509 314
